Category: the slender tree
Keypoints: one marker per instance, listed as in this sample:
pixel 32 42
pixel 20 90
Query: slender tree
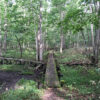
pixel 39 41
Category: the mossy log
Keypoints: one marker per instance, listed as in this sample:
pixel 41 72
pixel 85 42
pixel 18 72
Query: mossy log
pixel 19 61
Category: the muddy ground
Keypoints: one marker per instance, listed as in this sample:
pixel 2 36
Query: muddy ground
pixel 8 79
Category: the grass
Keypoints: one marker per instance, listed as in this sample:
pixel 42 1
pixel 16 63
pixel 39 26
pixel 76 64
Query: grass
pixel 85 80
pixel 17 68
pixel 25 90
pixel 27 54
pixel 70 55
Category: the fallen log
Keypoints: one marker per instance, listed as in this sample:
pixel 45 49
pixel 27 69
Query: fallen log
pixel 4 60
pixel 74 63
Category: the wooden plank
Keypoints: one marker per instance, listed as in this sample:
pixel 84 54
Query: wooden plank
pixel 51 76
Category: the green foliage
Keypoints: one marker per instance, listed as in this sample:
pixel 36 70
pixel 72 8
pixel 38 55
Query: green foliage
pixel 27 73
pixel 84 80
pixel 71 55
pixel 25 70
pixel 77 18
pixel 25 90
pixel 58 17
pixel 29 54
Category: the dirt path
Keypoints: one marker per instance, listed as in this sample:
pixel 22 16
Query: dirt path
pixel 66 94
pixel 50 94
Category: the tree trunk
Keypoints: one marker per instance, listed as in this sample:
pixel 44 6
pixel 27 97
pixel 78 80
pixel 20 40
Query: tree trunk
pixel 5 29
pixel 97 36
pixel 0 40
pixel 92 27
pixel 78 40
pixel 20 47
pixel 39 41
pixel 92 35
pixel 96 46
pixel 37 47
pixel 62 36
pixel 84 39
pixel 62 43
pixel 5 42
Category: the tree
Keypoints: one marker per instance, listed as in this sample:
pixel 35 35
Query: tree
pixel 0 37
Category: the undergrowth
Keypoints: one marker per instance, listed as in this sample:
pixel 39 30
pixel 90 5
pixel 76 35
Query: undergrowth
pixel 85 80
pixel 70 55
pixel 24 90
pixel 17 68
pixel 27 54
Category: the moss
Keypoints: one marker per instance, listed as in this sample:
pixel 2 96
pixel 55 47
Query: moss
pixel 51 76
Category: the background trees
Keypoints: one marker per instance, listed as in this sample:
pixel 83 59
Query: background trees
pixel 29 29
pixel 33 26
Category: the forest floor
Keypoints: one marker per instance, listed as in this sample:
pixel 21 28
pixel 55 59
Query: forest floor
pixel 65 94
pixel 50 94
pixel 10 78
pixel 79 82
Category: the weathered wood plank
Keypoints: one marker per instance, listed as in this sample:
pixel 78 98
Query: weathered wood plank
pixel 51 76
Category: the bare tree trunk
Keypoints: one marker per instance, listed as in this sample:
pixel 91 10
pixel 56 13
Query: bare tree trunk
pixel 84 39
pixel 20 47
pixel 5 29
pixel 97 36
pixel 92 27
pixel 92 35
pixel 39 41
pixel 70 42
pixel 78 40
pixel 23 45
pixel 0 38
pixel 62 43
pixel 96 47
pixel 47 46
pixel 36 33
pixel 5 42
pixel 61 36
pixel 37 47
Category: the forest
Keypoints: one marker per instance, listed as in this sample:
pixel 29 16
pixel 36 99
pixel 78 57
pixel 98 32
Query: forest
pixel 49 49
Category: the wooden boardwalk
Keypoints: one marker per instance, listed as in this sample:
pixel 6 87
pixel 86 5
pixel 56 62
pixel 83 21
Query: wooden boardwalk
pixel 51 76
